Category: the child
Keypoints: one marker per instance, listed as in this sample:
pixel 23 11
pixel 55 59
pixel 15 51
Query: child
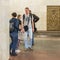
pixel 19 33
pixel 14 28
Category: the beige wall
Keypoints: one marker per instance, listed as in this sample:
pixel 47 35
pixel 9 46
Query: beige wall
pixel 4 35
pixel 39 7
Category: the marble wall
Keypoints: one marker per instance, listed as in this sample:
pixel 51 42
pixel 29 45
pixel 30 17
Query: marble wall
pixel 39 7
pixel 4 32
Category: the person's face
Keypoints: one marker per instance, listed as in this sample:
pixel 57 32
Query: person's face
pixel 27 11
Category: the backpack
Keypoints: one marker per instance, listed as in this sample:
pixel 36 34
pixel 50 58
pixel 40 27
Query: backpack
pixel 11 26
pixel 26 27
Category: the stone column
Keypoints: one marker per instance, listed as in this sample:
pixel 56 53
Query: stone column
pixel 4 31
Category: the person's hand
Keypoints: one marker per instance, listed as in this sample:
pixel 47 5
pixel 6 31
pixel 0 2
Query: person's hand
pixel 33 30
pixel 22 30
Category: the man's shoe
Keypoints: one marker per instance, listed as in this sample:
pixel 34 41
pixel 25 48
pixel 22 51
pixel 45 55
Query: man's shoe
pixel 30 49
pixel 13 54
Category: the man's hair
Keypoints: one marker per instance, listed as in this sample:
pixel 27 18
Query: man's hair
pixel 27 8
pixel 14 14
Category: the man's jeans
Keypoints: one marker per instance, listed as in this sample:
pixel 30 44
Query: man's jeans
pixel 28 38
pixel 32 39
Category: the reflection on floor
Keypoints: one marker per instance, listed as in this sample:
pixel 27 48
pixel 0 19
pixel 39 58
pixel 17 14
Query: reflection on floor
pixel 45 48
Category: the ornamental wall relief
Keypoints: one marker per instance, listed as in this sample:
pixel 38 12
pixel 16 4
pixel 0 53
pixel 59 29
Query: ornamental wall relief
pixel 53 18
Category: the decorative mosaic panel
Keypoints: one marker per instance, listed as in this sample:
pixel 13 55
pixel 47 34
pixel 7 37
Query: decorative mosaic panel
pixel 53 18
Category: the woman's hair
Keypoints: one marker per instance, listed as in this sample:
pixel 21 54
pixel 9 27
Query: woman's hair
pixel 18 16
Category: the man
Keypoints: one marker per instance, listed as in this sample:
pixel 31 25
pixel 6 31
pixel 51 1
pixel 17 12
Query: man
pixel 36 18
pixel 28 20
pixel 14 28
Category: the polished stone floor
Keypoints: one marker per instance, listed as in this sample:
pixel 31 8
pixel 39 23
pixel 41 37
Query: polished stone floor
pixel 45 48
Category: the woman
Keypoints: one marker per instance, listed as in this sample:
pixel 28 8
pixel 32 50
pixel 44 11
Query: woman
pixel 19 33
